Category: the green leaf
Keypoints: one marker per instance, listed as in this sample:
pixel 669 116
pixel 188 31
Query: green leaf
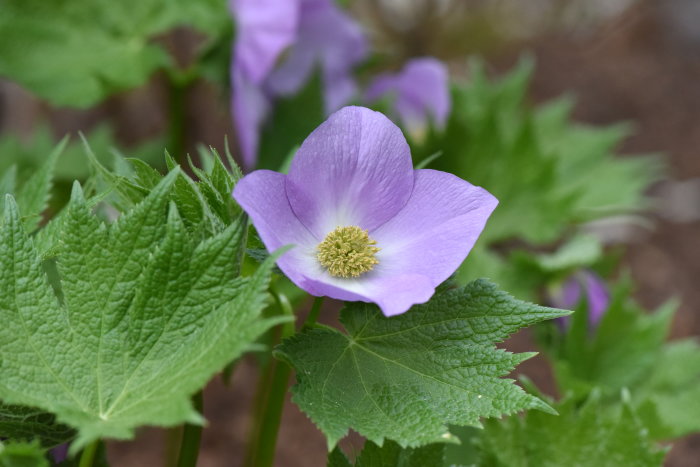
pixel 548 172
pixel 391 454
pixel 629 350
pixel 523 273
pixel 407 377
pixel 25 423
pixel 47 241
pixel 336 458
pixel 620 354
pixel 32 195
pixel 591 435
pixel 8 181
pixel 206 204
pixel 669 394
pixel 129 192
pixel 580 251
pixel 292 121
pixel 22 455
pixel 77 52
pixel 149 315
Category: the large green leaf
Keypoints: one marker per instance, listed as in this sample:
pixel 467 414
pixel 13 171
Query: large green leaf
pixel 77 52
pixel 589 436
pixel 148 315
pixel 406 378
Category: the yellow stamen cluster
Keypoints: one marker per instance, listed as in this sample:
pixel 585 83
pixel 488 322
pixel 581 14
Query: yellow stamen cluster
pixel 347 252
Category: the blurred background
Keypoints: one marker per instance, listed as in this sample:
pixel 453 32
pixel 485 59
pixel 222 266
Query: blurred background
pixel 633 61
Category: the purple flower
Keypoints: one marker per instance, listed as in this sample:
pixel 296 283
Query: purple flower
pixel 327 37
pixel 318 34
pixel 584 284
pixel 420 91
pixel 60 453
pixel 265 28
pixel 365 225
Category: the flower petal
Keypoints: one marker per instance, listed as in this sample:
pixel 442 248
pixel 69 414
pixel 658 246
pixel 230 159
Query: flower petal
pixel 329 38
pixel 597 296
pixel 421 91
pixel 262 195
pixel 393 294
pixel 249 107
pixel 354 169
pixel 264 29
pixel 436 229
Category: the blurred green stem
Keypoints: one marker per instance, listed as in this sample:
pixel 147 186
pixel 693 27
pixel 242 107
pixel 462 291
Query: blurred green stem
pixel 313 314
pixel 191 437
pixel 179 83
pixel 272 389
pixel 87 459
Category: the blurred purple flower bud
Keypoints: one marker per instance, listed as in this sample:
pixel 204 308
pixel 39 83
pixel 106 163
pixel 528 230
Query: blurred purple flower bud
pixel 579 286
pixel 60 453
pixel 420 92
pixel 316 32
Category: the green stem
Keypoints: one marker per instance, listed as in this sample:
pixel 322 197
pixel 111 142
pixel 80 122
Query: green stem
pixel 173 438
pixel 87 459
pixel 191 437
pixel 313 314
pixel 273 384
pixel 179 83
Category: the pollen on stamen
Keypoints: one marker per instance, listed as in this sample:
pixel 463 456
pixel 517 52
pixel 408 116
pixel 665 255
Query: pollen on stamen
pixel 347 252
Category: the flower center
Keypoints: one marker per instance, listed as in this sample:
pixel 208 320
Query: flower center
pixel 347 252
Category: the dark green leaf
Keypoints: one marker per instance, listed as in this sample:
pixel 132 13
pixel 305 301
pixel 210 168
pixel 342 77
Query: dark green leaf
pixel 589 436
pixel 407 377
pixel 24 423
pixel 391 454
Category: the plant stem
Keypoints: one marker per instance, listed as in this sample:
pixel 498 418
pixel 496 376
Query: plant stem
pixel 273 387
pixel 191 437
pixel 179 83
pixel 173 438
pixel 87 459
pixel 313 314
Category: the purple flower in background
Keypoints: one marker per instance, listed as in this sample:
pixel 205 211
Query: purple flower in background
pixel 265 28
pixel 584 285
pixel 327 37
pixel 365 225
pixel 60 453
pixel 316 32
pixel 420 91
